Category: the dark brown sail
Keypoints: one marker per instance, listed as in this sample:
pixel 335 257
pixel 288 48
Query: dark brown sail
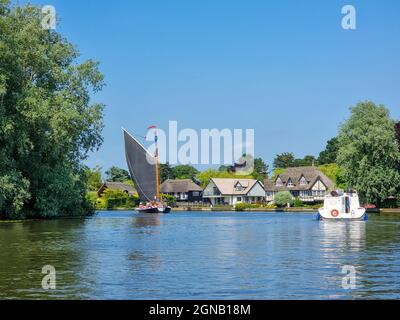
pixel 142 171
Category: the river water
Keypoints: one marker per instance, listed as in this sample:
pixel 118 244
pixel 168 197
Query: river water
pixel 189 255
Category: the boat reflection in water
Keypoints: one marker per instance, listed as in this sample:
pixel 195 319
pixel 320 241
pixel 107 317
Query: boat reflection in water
pixel 342 244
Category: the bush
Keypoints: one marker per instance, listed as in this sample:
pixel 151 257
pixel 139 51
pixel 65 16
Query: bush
pixel 297 203
pixel 169 199
pixel 119 199
pixel 282 198
pixel 244 206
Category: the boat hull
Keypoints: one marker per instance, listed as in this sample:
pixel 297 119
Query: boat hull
pixel 355 215
pixel 154 210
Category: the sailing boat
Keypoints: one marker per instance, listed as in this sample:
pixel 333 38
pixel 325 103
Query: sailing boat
pixel 144 171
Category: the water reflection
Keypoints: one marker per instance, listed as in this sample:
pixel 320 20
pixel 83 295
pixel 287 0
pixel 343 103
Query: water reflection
pixel 146 220
pixel 26 247
pixel 337 237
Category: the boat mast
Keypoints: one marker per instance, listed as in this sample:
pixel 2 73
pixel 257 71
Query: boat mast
pixel 156 157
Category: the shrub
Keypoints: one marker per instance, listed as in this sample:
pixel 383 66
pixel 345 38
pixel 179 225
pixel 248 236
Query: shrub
pixel 241 206
pixel 171 200
pixel 298 203
pixel 282 198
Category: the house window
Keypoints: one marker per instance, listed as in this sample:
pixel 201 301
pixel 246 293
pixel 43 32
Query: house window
pixel 303 181
pixel 239 199
pixel 239 187
pixel 196 193
pixel 290 183
pixel 279 182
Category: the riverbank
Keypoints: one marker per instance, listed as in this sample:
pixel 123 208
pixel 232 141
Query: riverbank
pixel 230 209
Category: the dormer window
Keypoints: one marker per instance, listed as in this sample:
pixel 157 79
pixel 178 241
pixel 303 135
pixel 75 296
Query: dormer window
pixel 279 182
pixel 290 183
pixel 239 187
pixel 303 181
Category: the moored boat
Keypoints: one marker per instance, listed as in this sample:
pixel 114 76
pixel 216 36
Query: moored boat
pixel 342 206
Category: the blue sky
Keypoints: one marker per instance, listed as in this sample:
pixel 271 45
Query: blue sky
pixel 285 68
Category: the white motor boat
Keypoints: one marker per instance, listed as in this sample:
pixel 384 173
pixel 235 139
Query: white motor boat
pixel 342 206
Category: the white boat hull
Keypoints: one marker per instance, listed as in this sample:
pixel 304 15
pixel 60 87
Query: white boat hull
pixel 354 214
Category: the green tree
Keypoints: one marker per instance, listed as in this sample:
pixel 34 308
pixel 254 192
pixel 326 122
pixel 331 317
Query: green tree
pixel 335 173
pixel 397 130
pixel 329 155
pixel 166 172
pixel 115 174
pixel 184 172
pixel 306 161
pixel 47 121
pixel 369 154
pixel 276 172
pixel 260 169
pixel 284 160
pixel 93 177
pixel 205 176
pixel 283 198
pixel 169 199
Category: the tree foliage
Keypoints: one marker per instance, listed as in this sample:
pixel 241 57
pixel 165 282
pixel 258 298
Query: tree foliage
pixel 205 176
pixel 93 177
pixel 288 160
pixel 177 172
pixel 283 198
pixel 335 173
pixel 260 169
pixel 169 199
pixel 115 174
pixel 184 172
pixel 397 130
pixel 369 154
pixel 284 160
pixel 166 172
pixel 47 122
pixel 329 155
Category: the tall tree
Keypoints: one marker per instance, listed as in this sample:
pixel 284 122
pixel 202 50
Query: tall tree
pixel 166 172
pixel 115 174
pixel 397 129
pixel 284 160
pixel 93 176
pixel 47 121
pixel 329 155
pixel 260 169
pixel 369 154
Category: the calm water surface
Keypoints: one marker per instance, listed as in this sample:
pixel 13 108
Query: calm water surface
pixel 123 255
